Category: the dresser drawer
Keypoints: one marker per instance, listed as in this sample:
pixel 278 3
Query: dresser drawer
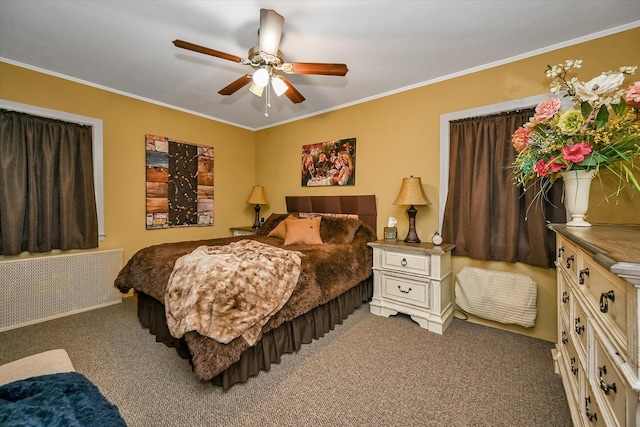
pixel 607 293
pixel 570 359
pixel 610 383
pixel 579 327
pixel 591 412
pixel 402 289
pixel 567 256
pixel 419 264
pixel 564 297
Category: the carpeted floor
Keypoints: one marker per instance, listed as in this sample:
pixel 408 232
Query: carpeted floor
pixel 369 371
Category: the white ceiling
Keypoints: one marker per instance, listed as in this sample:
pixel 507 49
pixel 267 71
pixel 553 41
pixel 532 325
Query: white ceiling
pixel 389 46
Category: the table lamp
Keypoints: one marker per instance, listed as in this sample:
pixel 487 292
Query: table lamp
pixel 411 193
pixel 258 198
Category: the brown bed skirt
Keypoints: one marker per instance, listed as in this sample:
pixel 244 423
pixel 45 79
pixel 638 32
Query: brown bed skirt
pixel 286 338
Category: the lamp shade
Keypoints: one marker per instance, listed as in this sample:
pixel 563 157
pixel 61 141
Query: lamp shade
pixel 411 193
pixel 256 90
pixel 261 77
pixel 279 86
pixel 257 196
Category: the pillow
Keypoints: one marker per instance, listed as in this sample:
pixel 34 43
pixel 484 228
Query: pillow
pixel 303 231
pixel 339 231
pixel 271 223
pixel 281 229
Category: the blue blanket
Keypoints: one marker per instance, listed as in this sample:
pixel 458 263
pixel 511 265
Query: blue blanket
pixel 67 399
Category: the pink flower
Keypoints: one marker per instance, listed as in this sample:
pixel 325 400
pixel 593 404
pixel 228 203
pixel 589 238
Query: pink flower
pixel 556 166
pixel 542 168
pixel 632 95
pixel 546 110
pixel 577 152
pixel 520 138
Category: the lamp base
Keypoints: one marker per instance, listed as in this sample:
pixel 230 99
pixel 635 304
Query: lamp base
pixel 256 223
pixel 412 236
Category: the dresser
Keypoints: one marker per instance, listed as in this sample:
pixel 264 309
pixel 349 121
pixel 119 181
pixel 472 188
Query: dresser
pixel 413 279
pixel 598 351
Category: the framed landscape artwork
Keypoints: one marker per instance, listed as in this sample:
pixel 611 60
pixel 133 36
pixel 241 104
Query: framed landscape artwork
pixel 179 183
pixel 329 163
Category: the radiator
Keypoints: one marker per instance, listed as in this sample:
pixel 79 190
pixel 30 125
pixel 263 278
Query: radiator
pixel 42 288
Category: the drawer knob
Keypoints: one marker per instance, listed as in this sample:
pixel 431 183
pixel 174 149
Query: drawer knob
pixel 579 328
pixel 584 272
pixel 403 291
pixel 574 370
pixel 592 416
pixel 560 251
pixel 565 297
pixel 569 261
pixel 403 262
pixel 603 385
pixel 604 300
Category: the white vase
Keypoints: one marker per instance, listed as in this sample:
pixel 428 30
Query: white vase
pixel 577 184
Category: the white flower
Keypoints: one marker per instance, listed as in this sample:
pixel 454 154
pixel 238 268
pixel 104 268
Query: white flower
pixel 599 86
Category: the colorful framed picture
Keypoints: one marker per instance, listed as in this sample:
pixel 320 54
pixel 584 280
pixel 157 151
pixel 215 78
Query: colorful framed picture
pixel 329 163
pixel 179 183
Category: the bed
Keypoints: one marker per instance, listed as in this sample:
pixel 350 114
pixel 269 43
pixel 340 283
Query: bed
pixel 334 279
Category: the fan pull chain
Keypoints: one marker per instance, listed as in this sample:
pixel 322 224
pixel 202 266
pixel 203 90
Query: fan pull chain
pixel 268 101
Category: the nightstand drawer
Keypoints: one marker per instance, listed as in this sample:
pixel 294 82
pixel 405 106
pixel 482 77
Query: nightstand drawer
pixel 419 264
pixel 402 289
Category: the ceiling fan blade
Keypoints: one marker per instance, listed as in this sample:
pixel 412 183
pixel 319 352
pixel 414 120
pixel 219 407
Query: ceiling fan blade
pixel 270 32
pixel 201 49
pixel 236 85
pixel 316 68
pixel 292 93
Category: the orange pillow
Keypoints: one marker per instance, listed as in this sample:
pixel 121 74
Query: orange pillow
pixel 281 229
pixel 303 231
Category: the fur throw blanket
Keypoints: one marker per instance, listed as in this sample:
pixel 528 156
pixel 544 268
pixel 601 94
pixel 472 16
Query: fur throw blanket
pixel 224 292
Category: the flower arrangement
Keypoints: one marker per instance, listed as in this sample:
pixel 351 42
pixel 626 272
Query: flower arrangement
pixel 601 129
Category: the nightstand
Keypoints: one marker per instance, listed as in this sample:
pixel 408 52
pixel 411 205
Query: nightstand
pixel 414 279
pixel 243 231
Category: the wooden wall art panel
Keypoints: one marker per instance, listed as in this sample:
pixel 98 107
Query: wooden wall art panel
pixel 179 180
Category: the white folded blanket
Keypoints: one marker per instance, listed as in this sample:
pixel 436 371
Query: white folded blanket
pixel 496 295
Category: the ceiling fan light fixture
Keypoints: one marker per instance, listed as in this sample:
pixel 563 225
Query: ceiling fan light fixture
pixel 256 90
pixel 261 77
pixel 279 86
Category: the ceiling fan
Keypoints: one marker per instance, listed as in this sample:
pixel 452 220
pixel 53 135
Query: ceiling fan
pixel 267 61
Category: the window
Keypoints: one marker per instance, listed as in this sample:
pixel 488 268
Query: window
pixel 483 212
pixel 94 129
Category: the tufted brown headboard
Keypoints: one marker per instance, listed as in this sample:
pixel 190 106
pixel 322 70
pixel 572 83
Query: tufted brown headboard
pixel 362 206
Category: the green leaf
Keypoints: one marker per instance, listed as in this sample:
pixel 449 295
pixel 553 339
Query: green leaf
pixel 603 117
pixel 632 178
pixel 620 107
pixel 585 109
pixel 590 161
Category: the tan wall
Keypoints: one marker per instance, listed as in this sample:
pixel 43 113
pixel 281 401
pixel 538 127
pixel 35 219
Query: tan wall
pixel 125 122
pixel 399 135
